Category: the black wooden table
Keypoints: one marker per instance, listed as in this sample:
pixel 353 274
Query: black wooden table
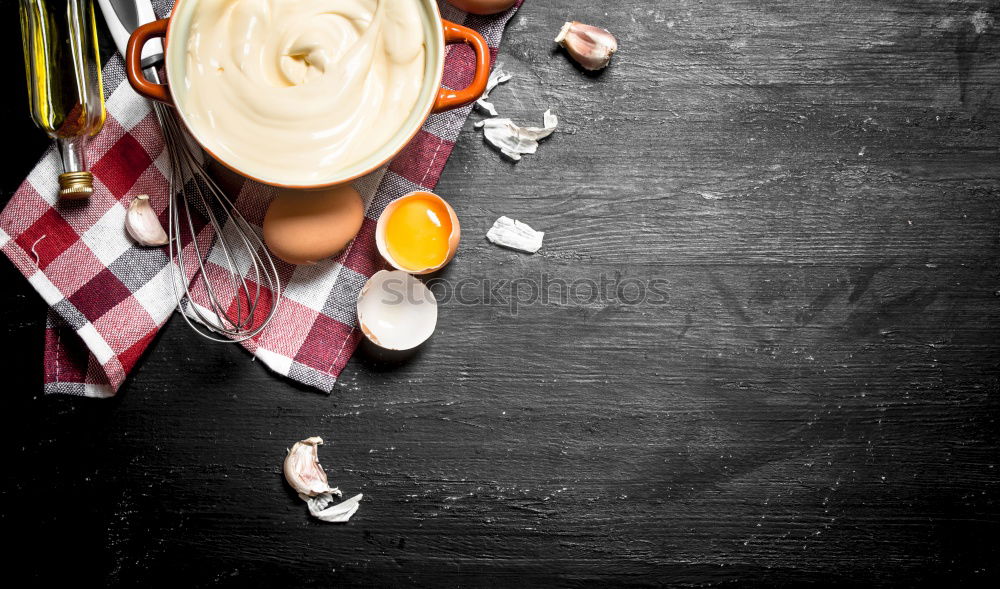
pixel 813 186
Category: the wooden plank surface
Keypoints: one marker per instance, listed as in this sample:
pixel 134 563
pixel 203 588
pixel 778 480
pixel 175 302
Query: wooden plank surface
pixel 814 186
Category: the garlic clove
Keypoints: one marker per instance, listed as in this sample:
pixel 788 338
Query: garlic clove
pixel 591 47
pixel 303 471
pixel 142 224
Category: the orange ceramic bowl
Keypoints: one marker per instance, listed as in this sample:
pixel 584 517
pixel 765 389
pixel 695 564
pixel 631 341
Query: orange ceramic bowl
pixel 433 97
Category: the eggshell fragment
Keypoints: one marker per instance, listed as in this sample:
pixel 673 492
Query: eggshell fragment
pixel 396 311
pixel 380 229
pixel 303 227
pixel 482 6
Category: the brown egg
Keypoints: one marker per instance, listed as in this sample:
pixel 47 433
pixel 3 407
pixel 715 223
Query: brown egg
pixel 303 227
pixel 482 6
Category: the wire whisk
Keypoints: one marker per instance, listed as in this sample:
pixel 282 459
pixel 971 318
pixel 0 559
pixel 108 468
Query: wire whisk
pixel 251 275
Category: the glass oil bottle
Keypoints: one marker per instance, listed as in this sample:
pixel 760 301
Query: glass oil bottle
pixel 63 68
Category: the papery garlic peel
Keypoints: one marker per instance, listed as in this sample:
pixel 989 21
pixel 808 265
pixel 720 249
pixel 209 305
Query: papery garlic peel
pixel 497 77
pixel 303 471
pixel 320 507
pixel 514 234
pixel 513 140
pixel 590 46
pixel 142 223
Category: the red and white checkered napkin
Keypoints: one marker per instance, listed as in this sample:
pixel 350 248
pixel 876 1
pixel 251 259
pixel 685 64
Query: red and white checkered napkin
pixel 109 297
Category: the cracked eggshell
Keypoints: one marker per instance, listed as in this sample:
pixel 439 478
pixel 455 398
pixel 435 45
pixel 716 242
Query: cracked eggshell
pixel 453 238
pixel 396 311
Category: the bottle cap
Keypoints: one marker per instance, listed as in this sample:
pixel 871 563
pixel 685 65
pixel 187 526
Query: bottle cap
pixel 74 185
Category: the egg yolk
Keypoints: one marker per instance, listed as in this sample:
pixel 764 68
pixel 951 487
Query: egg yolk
pixel 417 232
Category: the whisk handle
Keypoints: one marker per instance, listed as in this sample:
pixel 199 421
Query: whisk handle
pixel 133 61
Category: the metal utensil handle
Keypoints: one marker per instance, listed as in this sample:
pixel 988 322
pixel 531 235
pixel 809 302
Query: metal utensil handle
pixel 123 17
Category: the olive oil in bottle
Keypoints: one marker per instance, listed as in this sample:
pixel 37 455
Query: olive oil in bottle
pixel 63 68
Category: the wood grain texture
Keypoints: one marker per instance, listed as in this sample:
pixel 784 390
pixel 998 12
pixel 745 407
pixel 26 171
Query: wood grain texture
pixel 816 400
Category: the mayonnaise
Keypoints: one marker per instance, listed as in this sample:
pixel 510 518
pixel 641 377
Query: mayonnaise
pixel 293 91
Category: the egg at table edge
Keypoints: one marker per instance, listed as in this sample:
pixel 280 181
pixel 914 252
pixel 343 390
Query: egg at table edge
pixel 482 7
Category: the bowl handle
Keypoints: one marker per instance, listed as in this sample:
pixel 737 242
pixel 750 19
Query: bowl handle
pixel 448 99
pixel 133 60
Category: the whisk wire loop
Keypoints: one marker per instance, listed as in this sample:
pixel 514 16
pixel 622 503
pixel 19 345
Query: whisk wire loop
pixel 238 248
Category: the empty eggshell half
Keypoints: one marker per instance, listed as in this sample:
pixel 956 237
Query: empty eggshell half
pixel 396 311
pixel 383 220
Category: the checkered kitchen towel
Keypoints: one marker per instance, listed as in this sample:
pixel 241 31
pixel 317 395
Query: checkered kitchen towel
pixel 108 297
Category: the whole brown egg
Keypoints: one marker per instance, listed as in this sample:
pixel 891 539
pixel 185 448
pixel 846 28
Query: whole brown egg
pixel 303 227
pixel 482 6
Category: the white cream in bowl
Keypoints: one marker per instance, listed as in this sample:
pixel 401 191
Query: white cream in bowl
pixel 296 91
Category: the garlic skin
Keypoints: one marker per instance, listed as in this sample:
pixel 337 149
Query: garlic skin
pixel 320 508
pixel 497 77
pixel 513 140
pixel 590 46
pixel 142 224
pixel 513 234
pixel 303 471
